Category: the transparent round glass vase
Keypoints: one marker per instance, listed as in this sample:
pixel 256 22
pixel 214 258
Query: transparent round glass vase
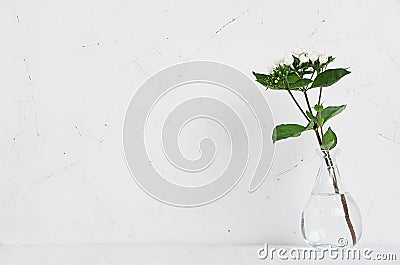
pixel 331 217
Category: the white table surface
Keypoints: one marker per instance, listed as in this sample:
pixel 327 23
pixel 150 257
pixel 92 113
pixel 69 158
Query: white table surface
pixel 112 254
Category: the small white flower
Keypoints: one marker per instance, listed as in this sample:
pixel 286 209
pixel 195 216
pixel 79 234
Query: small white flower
pixel 309 50
pixel 299 51
pixel 288 59
pixel 303 58
pixel 313 55
pixel 323 58
pixel 305 55
pixel 319 52
pixel 287 54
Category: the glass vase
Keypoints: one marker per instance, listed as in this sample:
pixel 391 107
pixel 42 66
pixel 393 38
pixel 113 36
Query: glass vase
pixel 331 217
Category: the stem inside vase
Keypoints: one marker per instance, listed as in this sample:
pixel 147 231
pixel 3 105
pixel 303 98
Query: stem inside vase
pixel 330 166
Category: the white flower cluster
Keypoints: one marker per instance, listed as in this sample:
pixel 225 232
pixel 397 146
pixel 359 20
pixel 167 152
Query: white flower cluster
pixel 311 54
pixel 304 56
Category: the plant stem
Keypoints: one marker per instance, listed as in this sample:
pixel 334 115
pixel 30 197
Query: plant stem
pixel 319 103
pixel 320 95
pixel 318 137
pixel 347 217
pixel 329 163
pixel 308 102
pixel 297 104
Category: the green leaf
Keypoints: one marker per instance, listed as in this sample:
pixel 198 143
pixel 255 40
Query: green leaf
pixel 310 126
pixel 296 61
pixel 309 115
pixel 262 82
pixel 292 77
pixel 284 131
pixel 329 77
pixel 330 112
pixel 302 82
pixel 318 109
pixel 329 140
pixel 261 78
pixel 278 86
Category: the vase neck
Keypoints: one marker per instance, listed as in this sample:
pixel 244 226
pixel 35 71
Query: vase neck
pixel 328 179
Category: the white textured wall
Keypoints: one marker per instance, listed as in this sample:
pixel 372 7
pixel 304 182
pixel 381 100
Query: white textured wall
pixel 69 68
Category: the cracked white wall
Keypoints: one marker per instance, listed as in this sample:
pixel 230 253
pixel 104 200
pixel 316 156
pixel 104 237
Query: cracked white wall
pixel 68 70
